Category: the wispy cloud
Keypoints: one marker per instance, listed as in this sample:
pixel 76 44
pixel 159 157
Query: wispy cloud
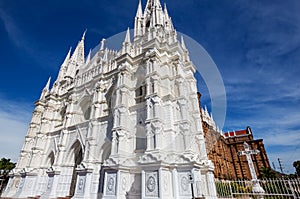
pixel 14 120
pixel 12 29
pixel 24 42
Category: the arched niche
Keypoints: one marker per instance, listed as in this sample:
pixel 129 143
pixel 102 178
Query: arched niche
pixel 50 160
pixel 85 105
pixel 75 158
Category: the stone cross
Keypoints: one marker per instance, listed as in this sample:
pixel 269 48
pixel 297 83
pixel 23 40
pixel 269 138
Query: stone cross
pixel 256 188
pixel 248 153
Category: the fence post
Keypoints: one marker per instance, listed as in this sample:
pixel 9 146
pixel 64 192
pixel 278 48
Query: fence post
pixel 230 189
pixel 292 188
pixel 257 189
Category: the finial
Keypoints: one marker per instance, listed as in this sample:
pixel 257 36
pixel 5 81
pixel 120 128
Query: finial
pixel 88 58
pixel 48 84
pixel 127 37
pixel 84 33
pixel 166 11
pixel 45 90
pixel 102 44
pixel 139 12
pixel 183 43
pixel 67 58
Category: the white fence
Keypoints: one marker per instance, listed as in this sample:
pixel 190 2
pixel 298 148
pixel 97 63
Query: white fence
pixel 273 189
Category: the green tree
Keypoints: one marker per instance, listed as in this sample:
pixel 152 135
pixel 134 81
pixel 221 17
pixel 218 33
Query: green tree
pixel 296 164
pixel 5 167
pixel 267 173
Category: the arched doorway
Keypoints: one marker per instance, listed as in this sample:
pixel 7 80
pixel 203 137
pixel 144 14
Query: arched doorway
pixel 78 157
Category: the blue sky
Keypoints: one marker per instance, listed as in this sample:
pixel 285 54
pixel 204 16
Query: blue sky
pixel 254 43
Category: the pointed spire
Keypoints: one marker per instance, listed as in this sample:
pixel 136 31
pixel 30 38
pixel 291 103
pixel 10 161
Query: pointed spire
pixel 183 43
pixel 83 35
pixel 88 58
pixel 127 43
pixel 138 21
pixel 46 89
pixel 166 12
pixel 67 59
pixel 64 66
pixel 154 10
pixel 78 55
pixel 186 52
pixel 156 3
pixel 127 37
pixel 77 58
pixel 139 12
pixel 205 108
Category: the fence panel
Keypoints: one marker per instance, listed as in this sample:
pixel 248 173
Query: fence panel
pixel 274 189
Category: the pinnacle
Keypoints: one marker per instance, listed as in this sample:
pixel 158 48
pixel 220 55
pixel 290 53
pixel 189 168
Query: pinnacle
pixel 183 43
pixel 127 37
pixel 83 35
pixel 139 12
pixel 47 87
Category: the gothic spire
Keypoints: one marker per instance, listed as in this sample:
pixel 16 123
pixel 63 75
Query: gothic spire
pixel 139 12
pixel 166 12
pixel 183 44
pixel 186 52
pixel 64 66
pixel 78 55
pixel 88 58
pixel 46 89
pixel 77 58
pixel 127 43
pixel 138 21
pixel 67 59
pixel 153 12
pixel 127 37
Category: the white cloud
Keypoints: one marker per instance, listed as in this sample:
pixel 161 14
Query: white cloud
pixel 11 28
pixel 14 117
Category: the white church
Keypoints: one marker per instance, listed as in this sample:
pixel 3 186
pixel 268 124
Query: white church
pixel 119 124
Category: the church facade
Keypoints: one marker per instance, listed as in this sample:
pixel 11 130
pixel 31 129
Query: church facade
pixel 119 124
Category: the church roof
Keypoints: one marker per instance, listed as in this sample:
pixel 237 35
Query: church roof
pixel 238 133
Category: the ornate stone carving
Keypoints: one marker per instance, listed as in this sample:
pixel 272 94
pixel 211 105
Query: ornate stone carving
pixel 111 183
pixel 151 184
pixel 184 183
pixel 81 185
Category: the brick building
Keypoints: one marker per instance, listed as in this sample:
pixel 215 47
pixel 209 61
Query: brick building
pixel 222 149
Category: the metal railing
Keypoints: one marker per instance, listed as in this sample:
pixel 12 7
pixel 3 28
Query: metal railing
pixel 273 188
pixel 1 185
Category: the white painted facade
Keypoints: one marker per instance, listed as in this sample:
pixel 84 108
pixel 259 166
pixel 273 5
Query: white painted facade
pixel 122 124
